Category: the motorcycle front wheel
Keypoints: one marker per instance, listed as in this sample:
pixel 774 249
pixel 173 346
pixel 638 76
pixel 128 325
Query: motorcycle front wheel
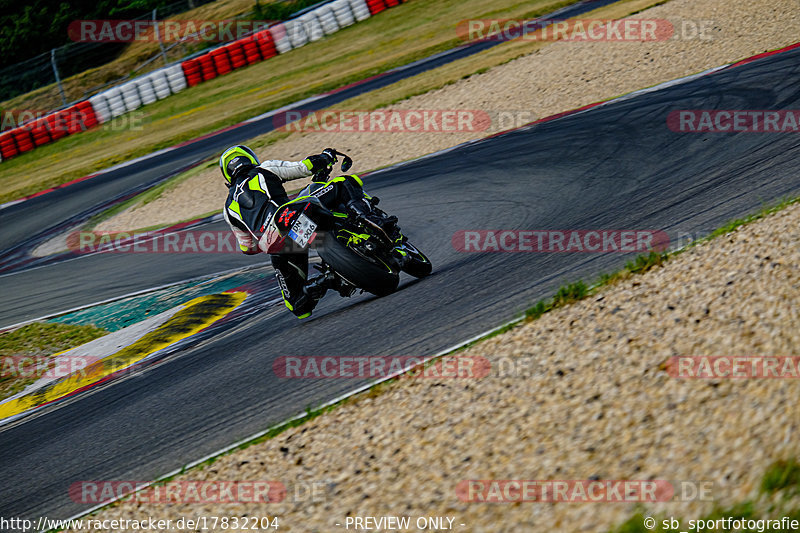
pixel 417 263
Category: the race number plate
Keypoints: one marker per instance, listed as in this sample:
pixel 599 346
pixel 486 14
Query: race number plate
pixel 302 230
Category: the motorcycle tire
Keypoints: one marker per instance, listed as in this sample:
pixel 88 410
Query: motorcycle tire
pixel 364 274
pixel 417 264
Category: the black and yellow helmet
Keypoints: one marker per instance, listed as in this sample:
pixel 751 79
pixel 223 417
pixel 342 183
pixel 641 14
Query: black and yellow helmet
pixel 235 159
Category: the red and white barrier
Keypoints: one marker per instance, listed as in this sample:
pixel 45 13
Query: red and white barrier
pixel 327 19
pixel 361 10
pixel 175 78
pixel 343 13
pixel 280 38
pixel 376 6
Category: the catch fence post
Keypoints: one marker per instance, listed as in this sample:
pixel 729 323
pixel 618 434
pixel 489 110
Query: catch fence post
pixel 58 78
pixel 158 38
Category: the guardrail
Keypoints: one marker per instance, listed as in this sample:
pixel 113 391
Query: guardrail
pixel 280 38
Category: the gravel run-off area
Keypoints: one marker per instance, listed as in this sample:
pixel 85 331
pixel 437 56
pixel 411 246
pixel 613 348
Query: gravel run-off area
pixel 583 392
pixel 556 78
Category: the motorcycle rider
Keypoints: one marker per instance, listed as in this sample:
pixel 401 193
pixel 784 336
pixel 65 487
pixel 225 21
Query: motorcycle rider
pixel 256 191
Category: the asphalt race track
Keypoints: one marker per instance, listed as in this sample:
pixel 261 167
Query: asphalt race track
pixel 616 166
pixel 53 208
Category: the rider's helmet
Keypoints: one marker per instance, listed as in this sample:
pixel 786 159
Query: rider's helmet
pixel 234 160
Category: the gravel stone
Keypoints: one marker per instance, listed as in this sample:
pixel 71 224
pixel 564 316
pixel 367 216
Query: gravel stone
pixel 590 398
pixel 556 78
pixel 580 393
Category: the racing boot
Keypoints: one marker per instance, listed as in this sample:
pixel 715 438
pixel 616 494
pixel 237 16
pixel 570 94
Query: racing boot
pixel 374 217
pixel 388 223
pixel 327 280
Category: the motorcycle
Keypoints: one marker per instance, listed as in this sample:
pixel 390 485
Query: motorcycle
pixel 358 253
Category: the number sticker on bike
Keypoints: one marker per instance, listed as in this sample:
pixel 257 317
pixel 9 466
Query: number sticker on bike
pixel 302 230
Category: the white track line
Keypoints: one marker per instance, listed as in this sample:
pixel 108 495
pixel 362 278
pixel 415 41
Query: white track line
pixel 204 277
pixel 440 354
pixel 329 403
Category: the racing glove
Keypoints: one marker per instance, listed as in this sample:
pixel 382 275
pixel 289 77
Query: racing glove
pixel 322 162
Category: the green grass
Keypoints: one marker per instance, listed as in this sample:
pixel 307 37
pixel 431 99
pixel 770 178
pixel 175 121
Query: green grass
pixel 453 72
pixel 479 63
pixel 39 339
pixel 154 193
pixel 739 510
pixel 644 263
pixel 781 476
pixel 134 55
pixel 150 195
pixel 578 290
pixel 747 510
pixel 766 209
pixel 635 524
pixel 271 433
pixel 396 37
pixel 279 10
pixel 565 295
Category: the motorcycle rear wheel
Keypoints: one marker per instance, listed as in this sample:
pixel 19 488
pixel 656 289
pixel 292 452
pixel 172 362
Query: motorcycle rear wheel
pixel 373 277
